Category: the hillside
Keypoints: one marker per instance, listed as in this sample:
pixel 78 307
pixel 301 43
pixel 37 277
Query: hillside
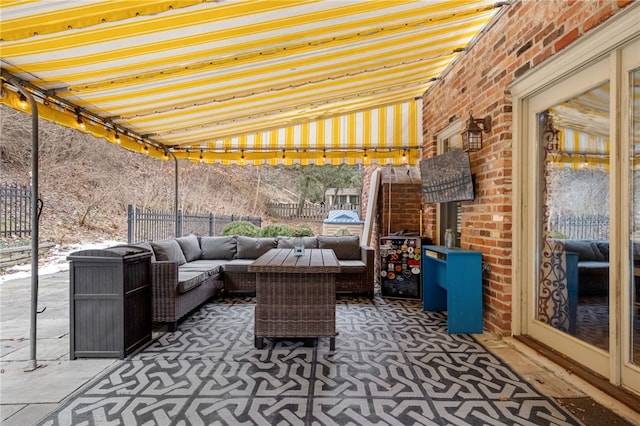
pixel 87 183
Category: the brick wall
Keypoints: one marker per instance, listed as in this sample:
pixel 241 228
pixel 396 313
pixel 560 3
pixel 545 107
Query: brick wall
pixel 400 208
pixel 527 33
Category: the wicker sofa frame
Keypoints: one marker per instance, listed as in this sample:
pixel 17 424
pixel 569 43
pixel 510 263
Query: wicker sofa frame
pixel 224 274
pixel 171 305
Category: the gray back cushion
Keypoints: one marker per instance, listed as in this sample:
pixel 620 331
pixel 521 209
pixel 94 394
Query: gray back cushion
pixel 586 249
pixel 190 247
pixel 168 250
pixel 287 242
pixel 223 248
pixel 253 248
pixel 346 247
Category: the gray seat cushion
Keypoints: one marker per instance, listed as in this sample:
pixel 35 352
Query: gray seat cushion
pixel 594 265
pixel 211 266
pixel 190 247
pixel 188 280
pixel 352 267
pixel 237 265
pixel 168 250
pixel 223 248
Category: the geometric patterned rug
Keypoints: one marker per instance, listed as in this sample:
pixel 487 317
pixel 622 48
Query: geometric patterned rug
pixel 393 365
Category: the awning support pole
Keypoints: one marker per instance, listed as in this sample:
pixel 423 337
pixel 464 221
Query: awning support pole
pixel 35 226
pixel 175 200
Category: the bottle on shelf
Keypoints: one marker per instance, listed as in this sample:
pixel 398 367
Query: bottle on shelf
pixel 449 238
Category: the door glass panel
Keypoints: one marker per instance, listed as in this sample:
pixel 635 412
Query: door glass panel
pixel 573 253
pixel 634 217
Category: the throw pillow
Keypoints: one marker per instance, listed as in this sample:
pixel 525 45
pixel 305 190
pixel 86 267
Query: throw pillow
pixel 147 246
pixel 190 247
pixel 218 248
pixel 168 250
pixel 603 248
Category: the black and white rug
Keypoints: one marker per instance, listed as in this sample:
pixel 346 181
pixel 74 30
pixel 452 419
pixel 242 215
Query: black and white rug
pixel 393 365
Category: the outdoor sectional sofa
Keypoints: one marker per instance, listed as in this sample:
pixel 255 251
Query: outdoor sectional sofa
pixel 187 271
pixel 593 264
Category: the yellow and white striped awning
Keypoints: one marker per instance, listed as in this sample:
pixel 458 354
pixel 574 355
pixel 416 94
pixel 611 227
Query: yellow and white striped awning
pixel 243 81
pixel 583 130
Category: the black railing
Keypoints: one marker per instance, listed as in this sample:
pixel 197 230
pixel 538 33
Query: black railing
pixel 586 227
pixel 15 211
pixel 151 225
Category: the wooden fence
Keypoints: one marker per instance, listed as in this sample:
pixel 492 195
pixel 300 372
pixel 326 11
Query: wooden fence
pixel 150 225
pixel 309 212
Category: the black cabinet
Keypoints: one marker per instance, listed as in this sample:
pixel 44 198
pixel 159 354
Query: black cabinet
pixel 110 301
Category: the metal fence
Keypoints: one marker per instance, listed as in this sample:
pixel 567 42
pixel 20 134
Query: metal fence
pixel 588 227
pixel 15 210
pixel 310 212
pixel 150 225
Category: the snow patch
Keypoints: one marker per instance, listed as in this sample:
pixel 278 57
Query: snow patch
pixel 55 260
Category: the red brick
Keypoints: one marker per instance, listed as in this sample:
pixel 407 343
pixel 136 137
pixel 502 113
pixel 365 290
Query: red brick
pixel 566 40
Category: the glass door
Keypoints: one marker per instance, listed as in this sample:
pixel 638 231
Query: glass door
pixel 634 223
pixel 571 294
pixel 583 230
pixel 630 247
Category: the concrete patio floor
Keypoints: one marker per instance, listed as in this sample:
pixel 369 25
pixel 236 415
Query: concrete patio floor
pixel 27 397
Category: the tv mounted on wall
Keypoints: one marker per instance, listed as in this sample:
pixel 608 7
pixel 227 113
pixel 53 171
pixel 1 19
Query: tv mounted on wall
pixel 447 177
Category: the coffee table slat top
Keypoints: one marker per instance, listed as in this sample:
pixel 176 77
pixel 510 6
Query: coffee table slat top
pixel 283 260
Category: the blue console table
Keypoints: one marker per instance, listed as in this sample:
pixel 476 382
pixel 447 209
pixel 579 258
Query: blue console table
pixel 452 282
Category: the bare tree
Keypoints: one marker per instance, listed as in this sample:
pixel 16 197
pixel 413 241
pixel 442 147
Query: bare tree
pixel 581 192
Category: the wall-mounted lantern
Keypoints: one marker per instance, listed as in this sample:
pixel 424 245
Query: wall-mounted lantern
pixel 472 136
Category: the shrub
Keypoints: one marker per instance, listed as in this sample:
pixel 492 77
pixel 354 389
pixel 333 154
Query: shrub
pixel 277 231
pixel 241 227
pixel 286 231
pixel 557 235
pixel 303 231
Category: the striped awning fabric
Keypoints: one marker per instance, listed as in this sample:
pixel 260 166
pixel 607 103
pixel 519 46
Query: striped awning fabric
pixel 583 130
pixel 243 81
pixel 583 124
pixel 582 150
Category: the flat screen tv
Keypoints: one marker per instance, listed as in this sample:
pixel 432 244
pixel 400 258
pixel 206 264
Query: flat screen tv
pixel 447 177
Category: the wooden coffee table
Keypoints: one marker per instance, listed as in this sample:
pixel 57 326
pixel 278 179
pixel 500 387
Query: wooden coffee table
pixel 295 295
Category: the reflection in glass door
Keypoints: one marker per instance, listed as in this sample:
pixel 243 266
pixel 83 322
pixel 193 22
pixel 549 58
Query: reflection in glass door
pixel 634 219
pixel 573 271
